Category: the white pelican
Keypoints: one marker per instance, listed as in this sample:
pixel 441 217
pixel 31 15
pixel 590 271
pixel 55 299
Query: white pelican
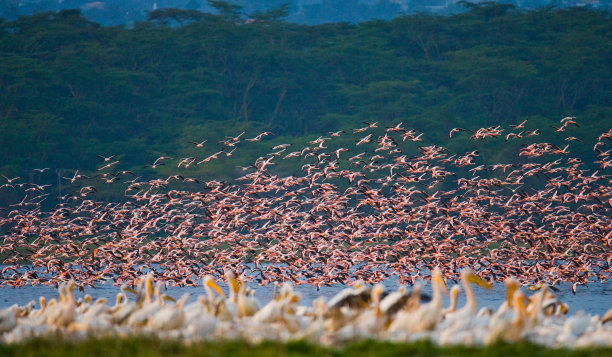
pixel 535 310
pixel 227 309
pixel 62 313
pixel 246 301
pixel 427 316
pixel 469 309
pixel 41 311
pixel 169 317
pixel 346 305
pixel 577 326
pixel 123 307
pixel 551 306
pixel 147 306
pixel 95 321
pixel 357 297
pixel 204 304
pixel 504 326
pixel 282 310
pixel 607 317
pixel 370 322
pixel 512 285
pixel 402 299
pixel 199 321
pixel 7 320
pixel 452 306
pixel 460 326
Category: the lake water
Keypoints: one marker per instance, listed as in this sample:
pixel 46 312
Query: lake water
pixel 595 298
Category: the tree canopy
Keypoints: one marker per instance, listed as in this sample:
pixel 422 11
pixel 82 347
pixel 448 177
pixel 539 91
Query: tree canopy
pixel 72 89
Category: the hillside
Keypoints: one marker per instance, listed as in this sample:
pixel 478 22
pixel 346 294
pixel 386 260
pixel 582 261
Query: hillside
pixel 72 89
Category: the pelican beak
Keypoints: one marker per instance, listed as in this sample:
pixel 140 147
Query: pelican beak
pixel 211 283
pixel 520 303
pixel 437 279
pixel 168 298
pixel 71 286
pixel 232 282
pixel 512 285
pixel 130 290
pixel 358 284
pixel 455 291
pixel 149 285
pixel 377 292
pixel 235 285
pixel 478 281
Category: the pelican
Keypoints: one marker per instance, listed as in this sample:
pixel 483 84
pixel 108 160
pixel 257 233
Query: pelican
pixel 607 317
pixel 453 300
pixel 460 326
pixel 503 326
pixel 169 317
pixel 62 313
pixel 227 309
pixel 207 303
pixel 246 301
pixel 7 320
pixel 357 296
pixel 281 309
pixel 346 305
pixel 575 327
pixel 95 321
pixel 316 325
pixel 43 305
pixel 512 285
pixel 553 306
pixel 426 317
pixel 469 309
pixel 147 306
pixel 535 310
pixel 123 307
pixel 401 299
pixel 199 320
pixel 371 322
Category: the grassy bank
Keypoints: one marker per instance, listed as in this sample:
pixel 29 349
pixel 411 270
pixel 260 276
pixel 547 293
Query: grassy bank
pixel 155 347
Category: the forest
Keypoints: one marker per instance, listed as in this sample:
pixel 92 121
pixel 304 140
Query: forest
pixel 73 89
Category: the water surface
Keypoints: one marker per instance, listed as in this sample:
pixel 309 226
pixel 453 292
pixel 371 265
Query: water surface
pixel 595 298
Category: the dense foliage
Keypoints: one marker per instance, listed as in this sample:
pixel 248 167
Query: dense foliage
pixel 311 12
pixel 72 89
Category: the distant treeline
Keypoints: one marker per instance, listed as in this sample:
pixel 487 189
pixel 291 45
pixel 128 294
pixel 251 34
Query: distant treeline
pixel 72 89
pixel 310 12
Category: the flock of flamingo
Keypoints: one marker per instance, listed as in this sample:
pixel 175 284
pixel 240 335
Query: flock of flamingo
pixel 368 204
